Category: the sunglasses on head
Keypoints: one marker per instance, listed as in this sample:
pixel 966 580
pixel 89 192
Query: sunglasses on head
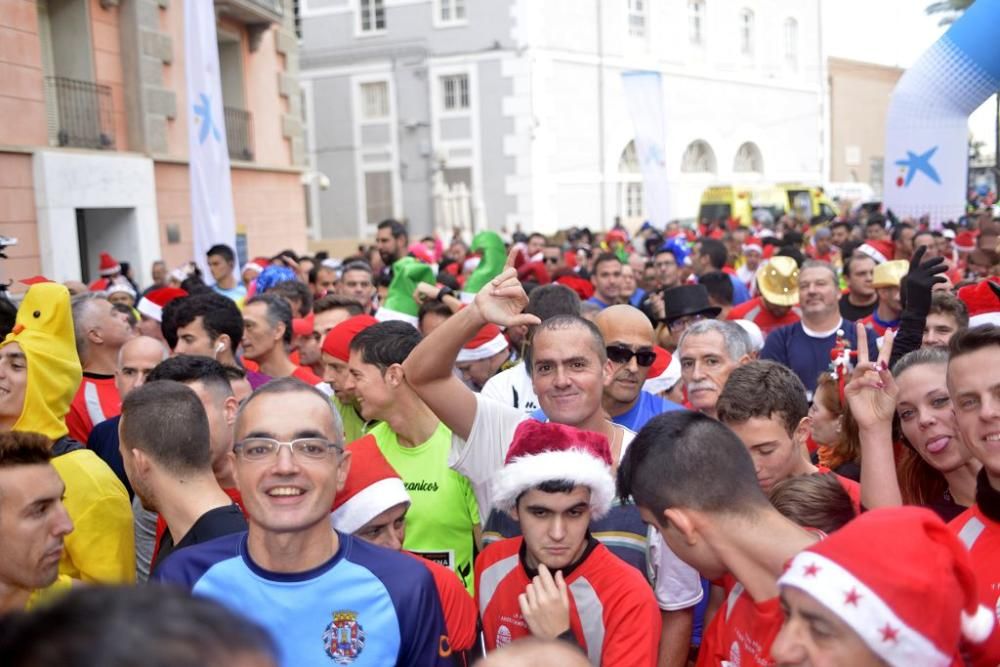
pixel 622 355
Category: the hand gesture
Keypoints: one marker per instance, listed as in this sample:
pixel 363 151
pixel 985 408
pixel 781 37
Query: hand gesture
pixel 545 604
pixel 657 305
pixel 425 292
pixel 502 299
pixel 871 393
pixel 920 281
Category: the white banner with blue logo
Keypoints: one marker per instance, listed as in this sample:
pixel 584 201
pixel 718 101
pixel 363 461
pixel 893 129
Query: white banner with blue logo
pixel 927 124
pixel 212 218
pixel 644 99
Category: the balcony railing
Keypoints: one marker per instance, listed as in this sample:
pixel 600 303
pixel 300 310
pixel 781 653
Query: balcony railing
pixel 239 133
pixel 84 116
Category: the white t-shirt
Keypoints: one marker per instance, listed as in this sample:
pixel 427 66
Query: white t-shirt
pixel 675 583
pixel 512 387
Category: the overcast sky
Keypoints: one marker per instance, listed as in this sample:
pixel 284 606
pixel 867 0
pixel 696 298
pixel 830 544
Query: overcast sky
pixel 890 32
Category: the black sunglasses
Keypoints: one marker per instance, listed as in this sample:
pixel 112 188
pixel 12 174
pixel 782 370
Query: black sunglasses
pixel 622 355
pixel 551 260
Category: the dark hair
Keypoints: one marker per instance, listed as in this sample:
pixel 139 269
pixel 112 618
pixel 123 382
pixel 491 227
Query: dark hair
pixel 234 373
pixel 851 260
pixel 291 385
pixel 840 223
pixel 946 303
pixel 187 368
pixel 335 301
pixel 112 625
pixel 719 286
pixel 397 228
pixel 357 265
pixel 294 290
pixel 278 312
pixel 432 307
pixel 219 315
pixel 716 252
pixel 547 301
pixel 127 311
pixel 24 448
pixel 762 389
pixel 687 459
pixel 8 316
pixel 223 251
pixel 563 322
pixel 813 501
pixel 549 486
pixel 974 339
pixel 897 231
pixel 386 343
pixel 166 420
pixel 789 251
pixel 606 257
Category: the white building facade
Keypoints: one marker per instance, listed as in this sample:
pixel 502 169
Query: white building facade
pixel 521 102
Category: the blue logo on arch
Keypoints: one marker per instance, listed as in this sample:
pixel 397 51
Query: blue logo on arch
pixel 918 163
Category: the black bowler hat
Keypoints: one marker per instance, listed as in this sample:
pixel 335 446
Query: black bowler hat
pixel 687 300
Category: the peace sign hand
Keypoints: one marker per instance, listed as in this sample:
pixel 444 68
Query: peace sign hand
pixel 871 394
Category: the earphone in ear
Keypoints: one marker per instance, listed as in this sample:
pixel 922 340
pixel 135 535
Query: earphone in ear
pixel 220 347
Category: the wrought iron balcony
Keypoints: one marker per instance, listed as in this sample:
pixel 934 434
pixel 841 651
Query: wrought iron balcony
pixel 81 113
pixel 239 133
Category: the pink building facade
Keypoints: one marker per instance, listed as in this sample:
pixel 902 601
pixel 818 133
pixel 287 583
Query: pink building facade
pixel 93 132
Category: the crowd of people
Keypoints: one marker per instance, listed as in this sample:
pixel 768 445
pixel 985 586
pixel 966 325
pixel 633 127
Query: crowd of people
pixel 765 445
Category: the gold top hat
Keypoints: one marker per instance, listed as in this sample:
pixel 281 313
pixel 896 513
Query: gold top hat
pixel 890 274
pixel 778 281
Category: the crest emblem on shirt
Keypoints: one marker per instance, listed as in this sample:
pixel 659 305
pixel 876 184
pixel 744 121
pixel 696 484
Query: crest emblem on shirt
pixel 734 656
pixel 344 638
pixel 503 636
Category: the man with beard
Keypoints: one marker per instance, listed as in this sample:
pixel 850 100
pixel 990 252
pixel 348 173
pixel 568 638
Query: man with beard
pixel 628 340
pixel 391 239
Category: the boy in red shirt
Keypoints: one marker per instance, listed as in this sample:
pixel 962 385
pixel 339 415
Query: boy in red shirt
pixel 974 385
pixel 694 481
pixel 555 480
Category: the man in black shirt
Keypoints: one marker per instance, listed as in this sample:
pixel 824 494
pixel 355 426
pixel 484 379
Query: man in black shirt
pixel 165 449
pixel 860 300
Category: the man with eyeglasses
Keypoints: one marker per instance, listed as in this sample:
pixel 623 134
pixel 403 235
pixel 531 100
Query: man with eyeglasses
pixel 325 597
pixel 165 447
pixel 628 339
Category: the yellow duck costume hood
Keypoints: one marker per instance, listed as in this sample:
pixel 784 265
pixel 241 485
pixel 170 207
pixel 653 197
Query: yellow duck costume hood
pixel 44 330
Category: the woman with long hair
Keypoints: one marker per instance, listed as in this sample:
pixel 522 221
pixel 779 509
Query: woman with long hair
pixel 834 430
pixel 936 469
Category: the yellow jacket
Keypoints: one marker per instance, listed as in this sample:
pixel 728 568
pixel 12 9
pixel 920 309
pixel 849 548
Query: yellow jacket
pixel 101 547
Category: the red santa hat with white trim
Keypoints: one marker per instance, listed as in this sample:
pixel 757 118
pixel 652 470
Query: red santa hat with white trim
pixel 489 341
pixel 901 580
pixel 880 251
pixel 154 301
pixel 753 245
pixel 664 373
pixel 547 452
pixel 109 266
pixel 372 487
pixel 983 302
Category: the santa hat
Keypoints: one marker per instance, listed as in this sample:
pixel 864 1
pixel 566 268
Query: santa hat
pixel 547 452
pixel 109 266
pixel 257 264
pixel 983 302
pixel 371 488
pixel 753 245
pixel 153 302
pixel 901 580
pixel 880 251
pixel 664 373
pixel 965 242
pixel 99 285
pixel 420 251
pixel 34 280
pixel 120 287
pixel 338 341
pixel 755 333
pixel 303 326
pixel 489 341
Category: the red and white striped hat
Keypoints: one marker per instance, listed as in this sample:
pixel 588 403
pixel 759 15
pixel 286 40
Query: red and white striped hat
pixel 151 305
pixel 880 251
pixel 901 580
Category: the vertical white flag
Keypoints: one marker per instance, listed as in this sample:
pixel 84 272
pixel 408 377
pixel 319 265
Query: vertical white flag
pixel 644 98
pixel 212 219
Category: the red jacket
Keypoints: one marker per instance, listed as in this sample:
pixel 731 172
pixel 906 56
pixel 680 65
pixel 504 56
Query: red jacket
pixel 742 630
pixel 609 600
pixel 981 536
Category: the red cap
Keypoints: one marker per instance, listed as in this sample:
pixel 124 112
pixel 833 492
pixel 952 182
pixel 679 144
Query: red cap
pixel 338 341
